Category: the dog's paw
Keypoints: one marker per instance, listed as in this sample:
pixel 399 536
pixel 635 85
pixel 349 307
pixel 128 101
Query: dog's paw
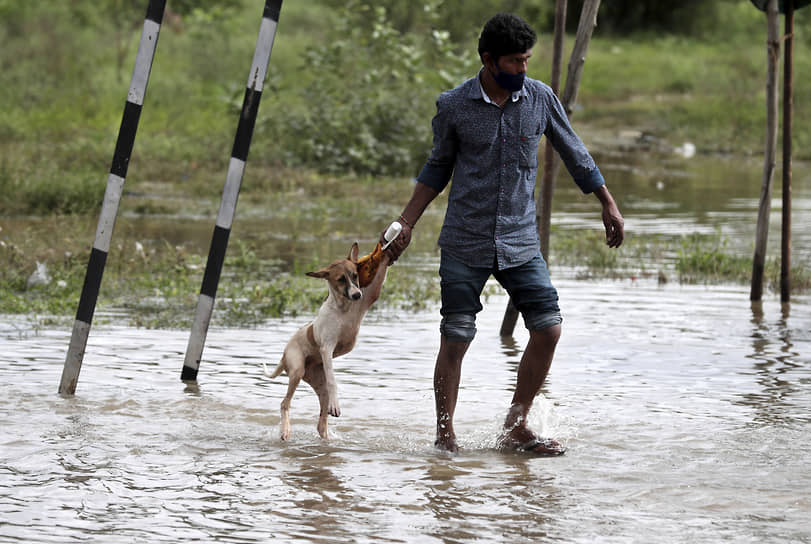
pixel 334 410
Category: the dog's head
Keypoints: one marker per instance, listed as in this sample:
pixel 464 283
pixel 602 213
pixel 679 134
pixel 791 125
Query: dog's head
pixel 342 275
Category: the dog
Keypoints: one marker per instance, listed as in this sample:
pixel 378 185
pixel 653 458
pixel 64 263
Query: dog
pixel 309 353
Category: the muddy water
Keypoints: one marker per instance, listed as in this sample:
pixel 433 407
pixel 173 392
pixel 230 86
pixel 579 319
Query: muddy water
pixel 686 411
pixel 666 195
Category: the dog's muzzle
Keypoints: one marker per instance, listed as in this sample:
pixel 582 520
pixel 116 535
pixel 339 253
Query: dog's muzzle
pixel 353 292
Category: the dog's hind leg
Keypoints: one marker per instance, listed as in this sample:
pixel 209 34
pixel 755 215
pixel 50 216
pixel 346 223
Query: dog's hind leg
pixel 318 381
pixel 295 376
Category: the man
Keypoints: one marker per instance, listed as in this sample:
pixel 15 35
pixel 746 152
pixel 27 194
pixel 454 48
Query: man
pixel 486 135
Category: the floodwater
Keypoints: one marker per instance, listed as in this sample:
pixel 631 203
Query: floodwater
pixel 686 411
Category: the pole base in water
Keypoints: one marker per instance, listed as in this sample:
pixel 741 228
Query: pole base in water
pixel 188 374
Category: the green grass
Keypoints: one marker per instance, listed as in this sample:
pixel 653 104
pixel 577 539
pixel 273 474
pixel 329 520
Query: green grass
pixel 707 259
pixel 63 95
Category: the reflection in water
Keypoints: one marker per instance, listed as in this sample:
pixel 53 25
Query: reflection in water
pixel 313 487
pixel 524 502
pixel 512 350
pixel 776 363
pixel 191 388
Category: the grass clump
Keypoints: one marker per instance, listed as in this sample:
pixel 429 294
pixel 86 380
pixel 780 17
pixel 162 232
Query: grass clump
pixel 704 258
pixel 707 259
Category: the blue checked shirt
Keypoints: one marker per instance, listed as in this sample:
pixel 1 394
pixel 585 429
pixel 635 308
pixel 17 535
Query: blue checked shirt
pixel 492 155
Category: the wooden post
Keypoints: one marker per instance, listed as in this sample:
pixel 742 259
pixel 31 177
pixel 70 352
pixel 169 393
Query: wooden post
pixel 588 20
pixel 788 106
pixel 585 28
pixel 548 183
pixel 762 233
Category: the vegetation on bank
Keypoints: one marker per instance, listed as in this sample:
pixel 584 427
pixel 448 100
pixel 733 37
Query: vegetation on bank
pixel 350 95
pixel 155 283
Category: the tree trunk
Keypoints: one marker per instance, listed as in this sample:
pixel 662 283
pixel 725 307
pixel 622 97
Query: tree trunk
pixel 544 204
pixel 588 20
pixel 762 233
pixel 548 182
pixel 585 28
pixel 788 107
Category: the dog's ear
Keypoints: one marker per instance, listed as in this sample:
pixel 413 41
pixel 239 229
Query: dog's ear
pixel 320 274
pixel 353 253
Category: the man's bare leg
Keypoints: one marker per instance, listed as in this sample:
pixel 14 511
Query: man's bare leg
pixel 447 373
pixel 532 373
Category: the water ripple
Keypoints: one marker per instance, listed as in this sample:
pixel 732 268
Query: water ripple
pixel 685 412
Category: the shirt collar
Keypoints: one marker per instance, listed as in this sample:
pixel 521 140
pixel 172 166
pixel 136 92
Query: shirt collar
pixel 483 95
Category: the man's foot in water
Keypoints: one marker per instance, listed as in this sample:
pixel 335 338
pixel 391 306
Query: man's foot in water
pixel 523 440
pixel 447 443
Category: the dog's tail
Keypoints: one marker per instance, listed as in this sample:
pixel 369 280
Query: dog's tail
pixel 279 369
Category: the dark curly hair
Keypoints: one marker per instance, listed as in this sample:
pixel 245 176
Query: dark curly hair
pixel 505 34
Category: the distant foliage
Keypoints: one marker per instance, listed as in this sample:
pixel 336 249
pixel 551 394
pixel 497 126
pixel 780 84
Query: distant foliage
pixel 463 19
pixel 675 16
pixel 370 104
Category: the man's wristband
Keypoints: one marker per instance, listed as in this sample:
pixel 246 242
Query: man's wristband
pixel 404 220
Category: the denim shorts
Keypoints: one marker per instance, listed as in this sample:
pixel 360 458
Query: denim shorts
pixel 528 285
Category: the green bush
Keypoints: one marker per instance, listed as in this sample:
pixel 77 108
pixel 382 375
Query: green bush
pixel 369 107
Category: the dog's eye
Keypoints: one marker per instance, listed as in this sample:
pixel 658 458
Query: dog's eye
pixel 342 279
pixel 355 278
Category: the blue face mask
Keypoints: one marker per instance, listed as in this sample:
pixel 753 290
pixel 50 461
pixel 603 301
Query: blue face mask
pixel 510 82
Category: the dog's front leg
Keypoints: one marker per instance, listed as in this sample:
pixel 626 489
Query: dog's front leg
pixel 332 388
pixel 372 291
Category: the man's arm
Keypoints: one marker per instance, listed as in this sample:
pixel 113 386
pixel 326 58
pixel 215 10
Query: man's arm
pixel 423 195
pixel 612 218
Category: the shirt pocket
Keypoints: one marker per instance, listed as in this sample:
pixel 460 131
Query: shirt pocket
pixel 529 137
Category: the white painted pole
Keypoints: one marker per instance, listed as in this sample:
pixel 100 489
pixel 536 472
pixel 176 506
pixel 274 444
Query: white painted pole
pixel 112 196
pixel 233 181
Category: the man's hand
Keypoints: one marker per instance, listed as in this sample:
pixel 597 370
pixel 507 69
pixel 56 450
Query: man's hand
pixel 399 244
pixel 423 195
pixel 612 218
pixel 614 225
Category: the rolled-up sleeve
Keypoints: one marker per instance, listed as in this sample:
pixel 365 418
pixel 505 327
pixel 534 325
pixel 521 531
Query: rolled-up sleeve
pixel 571 148
pixel 437 171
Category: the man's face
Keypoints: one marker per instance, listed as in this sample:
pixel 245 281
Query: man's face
pixel 514 63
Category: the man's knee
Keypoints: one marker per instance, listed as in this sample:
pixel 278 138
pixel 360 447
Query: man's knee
pixel 543 322
pixel 458 327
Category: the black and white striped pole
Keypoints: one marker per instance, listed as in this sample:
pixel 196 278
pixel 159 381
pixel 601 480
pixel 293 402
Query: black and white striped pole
pixel 233 180
pixel 112 196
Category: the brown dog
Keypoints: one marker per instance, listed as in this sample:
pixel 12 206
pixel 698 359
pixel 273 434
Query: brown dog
pixel 309 353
